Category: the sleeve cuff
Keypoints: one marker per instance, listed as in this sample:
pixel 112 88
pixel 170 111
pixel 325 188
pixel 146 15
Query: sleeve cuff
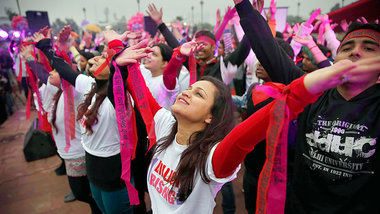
pixel 43 44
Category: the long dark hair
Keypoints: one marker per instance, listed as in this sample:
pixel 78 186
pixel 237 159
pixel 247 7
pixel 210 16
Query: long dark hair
pixel 91 114
pixel 54 112
pixel 194 158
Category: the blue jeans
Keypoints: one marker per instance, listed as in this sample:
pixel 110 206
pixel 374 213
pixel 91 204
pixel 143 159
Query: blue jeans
pixel 228 203
pixel 116 202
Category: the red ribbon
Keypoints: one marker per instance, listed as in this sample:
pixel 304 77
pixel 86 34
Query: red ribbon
pixel 44 61
pixel 192 69
pixel 271 193
pixel 137 88
pixel 19 77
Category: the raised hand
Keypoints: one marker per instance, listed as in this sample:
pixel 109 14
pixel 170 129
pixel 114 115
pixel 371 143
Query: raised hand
pixel 344 25
pixel 63 37
pixel 313 17
pixel 110 35
pixel 154 13
pixel 133 54
pixel 39 36
pixel 130 35
pixel 26 51
pixel 362 20
pixel 296 27
pixel 230 12
pixel 189 48
pixel 258 5
pixel 305 40
pixel 272 10
pixel 323 18
pixel 44 31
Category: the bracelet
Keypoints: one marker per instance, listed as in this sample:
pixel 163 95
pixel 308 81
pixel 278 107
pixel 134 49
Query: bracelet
pixel 313 47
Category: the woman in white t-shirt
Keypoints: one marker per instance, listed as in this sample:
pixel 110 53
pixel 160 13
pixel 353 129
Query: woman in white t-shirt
pixel 100 136
pixel 52 98
pixel 153 72
pixel 196 151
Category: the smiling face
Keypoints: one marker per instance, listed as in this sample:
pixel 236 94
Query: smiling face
pixel 194 104
pixel 96 63
pixel 154 61
pixel 207 52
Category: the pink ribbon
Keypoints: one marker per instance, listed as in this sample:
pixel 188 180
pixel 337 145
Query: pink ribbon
pixel 313 17
pixel 271 193
pixel 124 124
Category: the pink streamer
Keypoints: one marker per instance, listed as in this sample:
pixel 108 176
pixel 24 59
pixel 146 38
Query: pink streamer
pixel 124 124
pixel 271 193
pixel 313 17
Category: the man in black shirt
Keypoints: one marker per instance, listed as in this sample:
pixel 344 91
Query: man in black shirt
pixel 337 165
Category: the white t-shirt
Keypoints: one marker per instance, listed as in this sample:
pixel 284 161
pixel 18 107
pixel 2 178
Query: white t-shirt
pixel 104 141
pixel 183 79
pixel 162 167
pixel 164 97
pixel 47 95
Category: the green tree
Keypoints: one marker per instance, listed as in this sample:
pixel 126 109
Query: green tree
pixel 292 20
pixel 335 7
pixel 10 13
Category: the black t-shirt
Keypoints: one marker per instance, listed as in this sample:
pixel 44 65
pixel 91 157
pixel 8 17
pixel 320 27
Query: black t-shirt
pixel 337 167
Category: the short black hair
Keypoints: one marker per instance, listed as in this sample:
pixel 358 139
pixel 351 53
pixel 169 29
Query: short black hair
pixel 166 51
pixel 286 47
pixel 205 33
pixel 86 54
pixel 279 35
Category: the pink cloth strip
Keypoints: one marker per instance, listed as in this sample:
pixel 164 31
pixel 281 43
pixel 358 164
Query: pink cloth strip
pixel 124 123
pixel 271 193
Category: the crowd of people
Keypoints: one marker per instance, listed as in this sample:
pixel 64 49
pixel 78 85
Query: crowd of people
pixel 174 115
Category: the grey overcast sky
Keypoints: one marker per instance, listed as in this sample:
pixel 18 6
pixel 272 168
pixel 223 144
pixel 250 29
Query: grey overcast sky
pixel 171 8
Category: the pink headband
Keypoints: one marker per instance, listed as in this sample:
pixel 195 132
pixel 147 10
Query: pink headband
pixel 362 33
pixel 205 39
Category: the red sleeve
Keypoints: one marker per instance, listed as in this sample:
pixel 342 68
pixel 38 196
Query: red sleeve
pixel 232 150
pixel 170 71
